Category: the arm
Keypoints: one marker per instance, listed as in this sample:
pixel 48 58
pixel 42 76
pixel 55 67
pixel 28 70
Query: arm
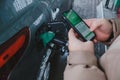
pixel 81 62
pixel 110 61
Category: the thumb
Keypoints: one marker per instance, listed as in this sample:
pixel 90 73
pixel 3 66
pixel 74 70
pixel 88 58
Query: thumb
pixel 71 35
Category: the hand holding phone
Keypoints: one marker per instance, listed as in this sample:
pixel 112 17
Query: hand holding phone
pixel 78 25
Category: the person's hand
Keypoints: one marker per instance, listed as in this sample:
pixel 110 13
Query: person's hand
pixel 76 45
pixel 101 27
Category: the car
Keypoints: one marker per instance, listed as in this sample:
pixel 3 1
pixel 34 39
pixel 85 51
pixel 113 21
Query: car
pixel 21 54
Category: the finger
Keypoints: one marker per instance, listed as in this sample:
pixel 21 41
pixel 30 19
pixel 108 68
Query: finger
pixel 77 36
pixel 95 41
pixel 89 21
pixel 72 35
pixel 95 26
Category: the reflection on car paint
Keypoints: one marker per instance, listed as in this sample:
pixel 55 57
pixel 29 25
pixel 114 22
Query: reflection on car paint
pixel 47 72
pixel 54 13
pixel 38 20
pixel 43 64
pixel 44 2
pixel 21 4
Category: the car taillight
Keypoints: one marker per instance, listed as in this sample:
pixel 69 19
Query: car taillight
pixel 12 50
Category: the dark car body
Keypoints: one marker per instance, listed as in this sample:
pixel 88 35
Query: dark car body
pixel 20 58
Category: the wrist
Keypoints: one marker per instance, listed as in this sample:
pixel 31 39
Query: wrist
pixel 78 57
pixel 112 33
pixel 82 52
pixel 111 37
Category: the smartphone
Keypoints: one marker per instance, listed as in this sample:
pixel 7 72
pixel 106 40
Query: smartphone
pixel 74 20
